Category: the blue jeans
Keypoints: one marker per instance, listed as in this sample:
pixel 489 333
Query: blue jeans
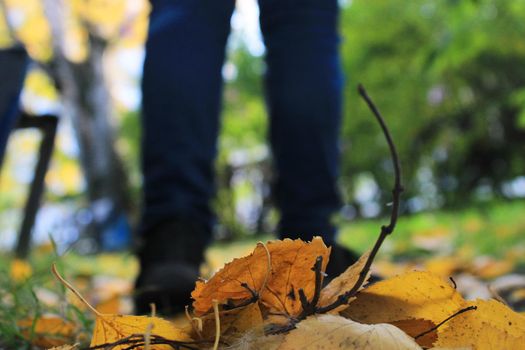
pixel 182 87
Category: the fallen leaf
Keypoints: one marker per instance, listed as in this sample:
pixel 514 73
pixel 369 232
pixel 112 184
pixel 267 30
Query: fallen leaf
pixel 343 283
pixel 335 332
pixel 20 270
pixel 415 327
pixel 291 269
pixel 492 326
pixel 47 331
pixel 227 284
pixel 292 263
pixel 110 328
pixel 413 295
pixel 234 323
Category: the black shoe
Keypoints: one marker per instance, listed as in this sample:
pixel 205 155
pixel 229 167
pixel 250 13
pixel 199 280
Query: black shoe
pixel 169 266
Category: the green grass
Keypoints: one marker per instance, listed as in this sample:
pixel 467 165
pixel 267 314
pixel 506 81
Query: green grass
pixel 496 229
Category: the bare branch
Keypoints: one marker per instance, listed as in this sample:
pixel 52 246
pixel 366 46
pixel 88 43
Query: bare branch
pixel 385 230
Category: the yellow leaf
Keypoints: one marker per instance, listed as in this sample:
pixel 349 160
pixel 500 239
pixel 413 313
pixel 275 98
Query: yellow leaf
pixel 492 326
pixel 335 332
pixel 343 282
pixel 110 328
pixel 21 270
pixel 47 331
pixel 413 295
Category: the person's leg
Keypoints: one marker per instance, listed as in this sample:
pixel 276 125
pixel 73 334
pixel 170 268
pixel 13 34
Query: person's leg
pixel 304 87
pixel 181 100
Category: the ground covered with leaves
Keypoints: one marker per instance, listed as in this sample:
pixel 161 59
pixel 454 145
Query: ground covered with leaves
pixel 37 311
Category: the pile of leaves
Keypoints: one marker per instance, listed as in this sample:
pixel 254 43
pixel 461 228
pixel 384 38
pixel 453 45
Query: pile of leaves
pixel 276 298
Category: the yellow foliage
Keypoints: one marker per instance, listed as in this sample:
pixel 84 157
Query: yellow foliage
pixel 110 328
pixel 492 326
pixel 413 295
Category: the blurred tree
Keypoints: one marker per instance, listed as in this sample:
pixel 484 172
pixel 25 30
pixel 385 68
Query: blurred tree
pixel 69 39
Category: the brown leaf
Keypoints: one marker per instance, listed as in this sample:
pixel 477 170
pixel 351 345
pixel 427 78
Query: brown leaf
pixel 335 332
pixel 343 283
pixel 492 326
pixel 226 284
pixel 415 327
pixel 292 263
pixel 48 331
pixel 413 295
pixel 110 328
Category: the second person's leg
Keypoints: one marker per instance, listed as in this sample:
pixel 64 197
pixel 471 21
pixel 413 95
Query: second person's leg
pixel 304 86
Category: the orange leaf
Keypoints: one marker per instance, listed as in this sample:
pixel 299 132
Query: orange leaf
pixel 292 263
pixel 227 284
pixel 415 327
pixel 48 331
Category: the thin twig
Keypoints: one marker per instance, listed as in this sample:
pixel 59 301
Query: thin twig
pixel 73 290
pixel 309 307
pixel 385 230
pixel 446 320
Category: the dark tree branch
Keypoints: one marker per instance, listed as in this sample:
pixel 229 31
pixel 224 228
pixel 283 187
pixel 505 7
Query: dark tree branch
pixel 385 230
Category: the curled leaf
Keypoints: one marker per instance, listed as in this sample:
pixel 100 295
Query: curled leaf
pixel 343 283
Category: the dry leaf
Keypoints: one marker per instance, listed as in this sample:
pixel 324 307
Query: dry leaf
pixel 234 323
pixel 343 283
pixel 492 326
pixel 48 331
pixel 413 295
pixel 335 332
pixel 415 327
pixel 226 284
pixel 110 328
pixel 20 270
pixel 292 263
pixel 291 269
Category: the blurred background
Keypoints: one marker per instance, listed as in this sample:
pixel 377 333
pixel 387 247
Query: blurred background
pixel 448 75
